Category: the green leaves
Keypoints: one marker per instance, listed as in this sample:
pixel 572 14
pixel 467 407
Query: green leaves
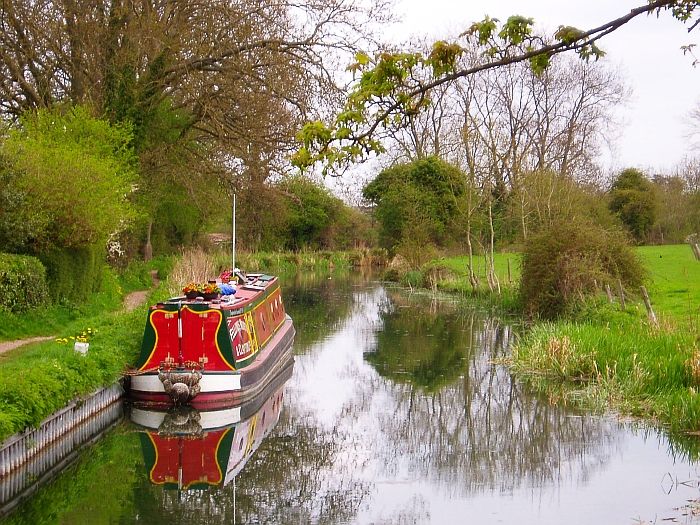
pixel 483 30
pixel 516 30
pixel 76 172
pixel 443 57
pixel 568 34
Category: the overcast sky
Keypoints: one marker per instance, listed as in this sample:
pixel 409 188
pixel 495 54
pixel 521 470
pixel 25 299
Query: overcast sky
pixel 664 83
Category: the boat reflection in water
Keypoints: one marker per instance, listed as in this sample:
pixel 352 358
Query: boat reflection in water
pixel 188 449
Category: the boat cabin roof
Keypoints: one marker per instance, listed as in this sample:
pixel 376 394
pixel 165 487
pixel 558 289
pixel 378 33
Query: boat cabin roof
pixel 246 293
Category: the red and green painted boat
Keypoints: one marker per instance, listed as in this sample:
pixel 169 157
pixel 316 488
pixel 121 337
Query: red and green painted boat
pixel 213 353
pixel 187 449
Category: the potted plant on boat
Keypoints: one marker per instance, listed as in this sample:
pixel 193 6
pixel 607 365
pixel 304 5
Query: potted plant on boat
pixel 193 290
pixel 211 291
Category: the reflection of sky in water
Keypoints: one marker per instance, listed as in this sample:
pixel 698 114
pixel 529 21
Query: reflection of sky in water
pixel 507 458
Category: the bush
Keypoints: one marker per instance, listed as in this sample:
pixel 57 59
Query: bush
pixel 74 274
pixel 568 262
pixel 22 283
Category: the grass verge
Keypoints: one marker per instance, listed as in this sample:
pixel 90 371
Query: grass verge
pixel 606 358
pixel 42 378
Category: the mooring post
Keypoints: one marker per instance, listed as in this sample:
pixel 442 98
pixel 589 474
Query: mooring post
pixel 608 291
pixel 621 293
pixel 650 310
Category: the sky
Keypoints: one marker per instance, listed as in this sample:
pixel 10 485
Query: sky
pixel 665 85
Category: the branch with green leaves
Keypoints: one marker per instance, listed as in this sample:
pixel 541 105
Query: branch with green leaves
pixel 392 86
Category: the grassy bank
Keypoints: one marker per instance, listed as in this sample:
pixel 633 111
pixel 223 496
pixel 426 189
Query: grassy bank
pixel 57 319
pixel 609 358
pixel 288 262
pixel 42 378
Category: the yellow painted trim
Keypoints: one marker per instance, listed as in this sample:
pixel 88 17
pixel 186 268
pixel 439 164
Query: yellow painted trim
pixel 250 324
pixel 150 320
pixel 150 474
pixel 274 329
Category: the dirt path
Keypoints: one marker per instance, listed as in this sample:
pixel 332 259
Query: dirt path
pixel 136 299
pixel 11 345
pixel 131 302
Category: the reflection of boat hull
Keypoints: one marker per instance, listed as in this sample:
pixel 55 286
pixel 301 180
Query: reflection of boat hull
pixel 187 449
pixel 213 354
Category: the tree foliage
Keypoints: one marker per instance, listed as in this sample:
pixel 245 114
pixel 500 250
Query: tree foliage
pixel 313 218
pixel 71 175
pixel 420 202
pixel 633 200
pixel 213 91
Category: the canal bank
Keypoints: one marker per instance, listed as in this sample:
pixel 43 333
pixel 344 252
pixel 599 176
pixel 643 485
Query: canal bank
pixel 608 354
pixel 397 411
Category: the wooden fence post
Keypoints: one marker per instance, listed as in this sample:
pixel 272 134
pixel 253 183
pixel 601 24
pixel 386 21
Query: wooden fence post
pixel 621 293
pixel 650 310
pixel 608 291
pixel 510 278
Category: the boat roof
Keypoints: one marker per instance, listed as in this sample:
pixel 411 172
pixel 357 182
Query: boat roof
pixel 247 293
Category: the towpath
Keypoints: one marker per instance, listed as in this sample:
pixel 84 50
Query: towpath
pixel 132 301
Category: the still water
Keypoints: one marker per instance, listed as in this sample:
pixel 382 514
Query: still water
pixel 394 413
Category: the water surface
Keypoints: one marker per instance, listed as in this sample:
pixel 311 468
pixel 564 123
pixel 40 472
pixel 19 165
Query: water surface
pixel 395 413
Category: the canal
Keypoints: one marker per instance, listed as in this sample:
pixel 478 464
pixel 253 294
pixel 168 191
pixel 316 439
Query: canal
pixel 396 412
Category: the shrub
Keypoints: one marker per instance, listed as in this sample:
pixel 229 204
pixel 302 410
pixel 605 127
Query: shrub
pixel 566 262
pixel 74 274
pixel 22 282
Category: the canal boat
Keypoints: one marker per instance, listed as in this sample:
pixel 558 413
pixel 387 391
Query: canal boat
pixel 188 449
pixel 213 352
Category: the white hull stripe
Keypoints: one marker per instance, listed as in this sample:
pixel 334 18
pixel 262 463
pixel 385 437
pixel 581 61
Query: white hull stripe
pixel 208 383
pixel 209 419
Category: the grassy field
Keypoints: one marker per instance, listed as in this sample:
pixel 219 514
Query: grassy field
pixel 674 283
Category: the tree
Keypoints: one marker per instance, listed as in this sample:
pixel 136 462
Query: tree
pixel 390 86
pixel 309 216
pixel 70 176
pixel 633 200
pixel 213 91
pixel 418 203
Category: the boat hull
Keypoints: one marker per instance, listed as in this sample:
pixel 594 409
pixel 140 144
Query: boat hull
pixel 222 388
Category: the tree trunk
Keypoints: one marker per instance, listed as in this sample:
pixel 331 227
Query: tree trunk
pixel 148 248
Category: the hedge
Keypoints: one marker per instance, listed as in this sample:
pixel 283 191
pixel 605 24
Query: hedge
pixel 22 282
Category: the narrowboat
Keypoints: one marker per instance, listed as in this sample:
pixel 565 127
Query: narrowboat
pixel 189 449
pixel 213 352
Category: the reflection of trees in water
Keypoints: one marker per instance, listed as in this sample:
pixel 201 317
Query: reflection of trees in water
pixel 482 431
pixel 293 477
pixel 317 303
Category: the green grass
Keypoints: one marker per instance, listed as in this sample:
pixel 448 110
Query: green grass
pixel 289 262
pixel 674 282
pixel 45 377
pixel 608 358
pixel 458 265
pixel 41 378
pixel 68 318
